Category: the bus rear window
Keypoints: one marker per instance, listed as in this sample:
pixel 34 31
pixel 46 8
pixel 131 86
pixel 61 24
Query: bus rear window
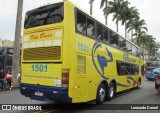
pixel 44 15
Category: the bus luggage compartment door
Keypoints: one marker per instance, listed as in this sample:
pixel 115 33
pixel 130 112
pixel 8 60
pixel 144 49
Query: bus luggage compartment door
pixel 45 74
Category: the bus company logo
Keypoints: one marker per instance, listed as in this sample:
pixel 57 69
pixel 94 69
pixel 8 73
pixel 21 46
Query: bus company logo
pixel 46 35
pixel 101 56
pixel 128 59
pixel 34 37
pixel 41 35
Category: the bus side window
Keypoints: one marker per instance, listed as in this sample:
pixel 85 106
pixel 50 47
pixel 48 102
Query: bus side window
pixel 99 35
pixel 134 50
pixel 129 47
pixel 113 39
pixel 120 68
pixel 90 27
pixel 105 35
pixel 81 22
pixel 122 43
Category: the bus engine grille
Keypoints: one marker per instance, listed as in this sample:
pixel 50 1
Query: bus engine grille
pixel 42 53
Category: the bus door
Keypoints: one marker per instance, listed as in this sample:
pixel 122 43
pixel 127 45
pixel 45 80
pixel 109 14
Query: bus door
pixel 80 82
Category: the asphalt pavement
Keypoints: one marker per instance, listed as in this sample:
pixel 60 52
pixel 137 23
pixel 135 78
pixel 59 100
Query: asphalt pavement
pixel 145 95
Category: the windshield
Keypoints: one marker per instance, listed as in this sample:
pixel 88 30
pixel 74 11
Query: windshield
pixel 44 15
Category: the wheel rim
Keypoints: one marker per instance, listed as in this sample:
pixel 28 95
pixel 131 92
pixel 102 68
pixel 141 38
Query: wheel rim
pixel 102 94
pixel 111 91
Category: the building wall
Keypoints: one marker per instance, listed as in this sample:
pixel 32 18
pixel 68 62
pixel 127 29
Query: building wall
pixel 6 42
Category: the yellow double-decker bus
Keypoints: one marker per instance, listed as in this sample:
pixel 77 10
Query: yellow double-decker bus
pixel 69 56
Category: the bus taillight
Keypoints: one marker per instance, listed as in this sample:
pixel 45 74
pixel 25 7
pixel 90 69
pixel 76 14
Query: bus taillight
pixel 65 78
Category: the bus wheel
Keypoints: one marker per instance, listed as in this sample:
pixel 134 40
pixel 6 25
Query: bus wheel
pixel 111 91
pixel 101 94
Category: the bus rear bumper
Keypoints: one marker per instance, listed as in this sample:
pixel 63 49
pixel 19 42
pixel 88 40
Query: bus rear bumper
pixel 45 93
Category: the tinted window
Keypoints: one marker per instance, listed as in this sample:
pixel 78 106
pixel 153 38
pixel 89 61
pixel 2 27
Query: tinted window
pixel 113 39
pixel 81 22
pixel 124 68
pixel 44 15
pixel 120 68
pixel 105 35
pixel 90 27
pixel 128 47
pixel 10 50
pixel 122 43
pixel 99 32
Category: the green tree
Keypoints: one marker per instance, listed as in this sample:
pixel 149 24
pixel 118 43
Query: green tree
pixel 139 25
pixel 127 16
pixel 116 8
pixel 133 15
pixel 105 4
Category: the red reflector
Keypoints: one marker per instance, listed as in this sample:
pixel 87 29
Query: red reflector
pixel 65 81
pixel 65 74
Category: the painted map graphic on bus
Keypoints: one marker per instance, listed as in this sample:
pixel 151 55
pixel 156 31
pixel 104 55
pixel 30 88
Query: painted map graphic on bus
pixel 102 58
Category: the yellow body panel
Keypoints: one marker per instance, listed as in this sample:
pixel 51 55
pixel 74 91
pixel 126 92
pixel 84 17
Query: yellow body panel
pixel 78 54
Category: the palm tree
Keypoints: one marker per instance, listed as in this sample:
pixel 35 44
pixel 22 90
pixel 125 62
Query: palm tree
pixel 133 15
pixel 115 7
pixel 104 3
pixel 147 42
pixel 139 25
pixel 153 51
pixel 91 6
pixel 16 54
pixel 127 16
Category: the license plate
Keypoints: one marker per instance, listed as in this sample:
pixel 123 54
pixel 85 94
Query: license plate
pixel 37 93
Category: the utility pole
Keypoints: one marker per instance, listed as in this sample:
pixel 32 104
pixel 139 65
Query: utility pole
pixel 16 54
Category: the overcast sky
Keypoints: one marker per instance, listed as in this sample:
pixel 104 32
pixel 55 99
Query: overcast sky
pixel 148 9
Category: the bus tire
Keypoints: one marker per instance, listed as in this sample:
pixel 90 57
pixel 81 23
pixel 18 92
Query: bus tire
pixel 111 91
pixel 101 94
